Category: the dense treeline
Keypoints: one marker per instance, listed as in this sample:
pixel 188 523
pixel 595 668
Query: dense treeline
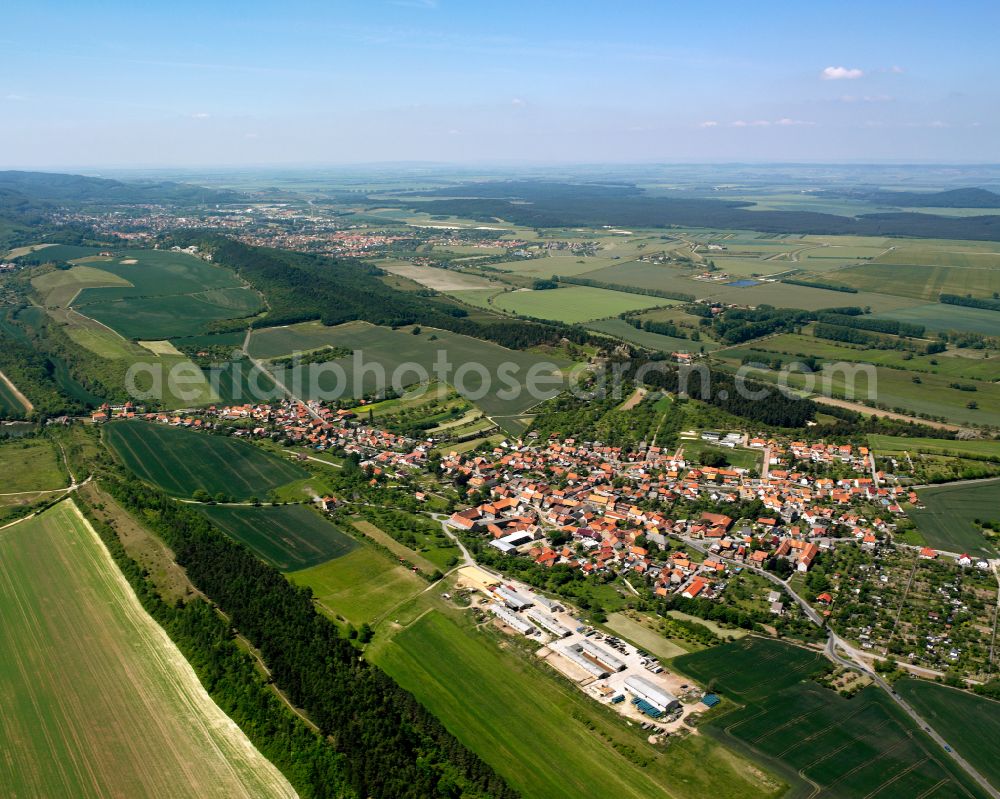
pixel 546 205
pixel 651 326
pixel 749 399
pixel 390 745
pixel 890 326
pixel 299 287
pixel 32 373
pixel 817 284
pixel 739 324
pixel 971 302
pixel 848 335
pixel 600 284
pixel 312 767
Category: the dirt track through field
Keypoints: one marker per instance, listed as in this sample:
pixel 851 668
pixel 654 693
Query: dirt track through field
pixel 17 393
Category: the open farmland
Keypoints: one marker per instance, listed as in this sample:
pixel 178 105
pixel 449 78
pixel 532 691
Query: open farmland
pixel 181 461
pixel 30 464
pixel 843 747
pixel 288 537
pixel 563 744
pixel 394 350
pixel 938 316
pixel 445 280
pixel 151 294
pixel 971 723
pixel 162 317
pixel 895 389
pixel 923 281
pixel 573 304
pixel 955 363
pixel 894 445
pixel 783 295
pixel 31 474
pixel 97 700
pixel 619 328
pixel 59 287
pixel 360 586
pixel 947 519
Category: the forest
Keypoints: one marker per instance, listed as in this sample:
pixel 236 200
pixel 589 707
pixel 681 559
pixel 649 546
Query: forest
pixel 543 204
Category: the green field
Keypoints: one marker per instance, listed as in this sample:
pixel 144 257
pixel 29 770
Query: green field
pixel 181 461
pixel 150 294
pixel 393 349
pixel 361 586
pixel 573 304
pixel 784 295
pixel 97 701
pixel 946 521
pixel 970 723
pixel 953 363
pixel 863 746
pixel 289 537
pixel 548 739
pixel 619 328
pixel 889 445
pixel 59 287
pixel 164 317
pixel 896 390
pixel 938 316
pixel 30 464
pixel 923 281
pixel 31 473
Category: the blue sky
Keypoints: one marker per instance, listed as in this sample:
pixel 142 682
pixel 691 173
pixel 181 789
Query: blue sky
pixel 254 83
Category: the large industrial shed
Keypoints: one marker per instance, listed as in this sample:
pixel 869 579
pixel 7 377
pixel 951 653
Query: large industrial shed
pixel 510 619
pixel 653 694
pixel 547 623
pixel 600 655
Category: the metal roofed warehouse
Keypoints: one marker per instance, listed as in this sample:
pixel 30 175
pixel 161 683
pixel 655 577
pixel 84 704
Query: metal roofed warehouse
pixel 653 694
pixel 600 655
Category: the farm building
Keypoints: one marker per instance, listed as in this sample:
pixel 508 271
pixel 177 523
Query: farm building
pixel 599 655
pixel 511 598
pixel 510 619
pixel 574 654
pixel 547 623
pixel 654 695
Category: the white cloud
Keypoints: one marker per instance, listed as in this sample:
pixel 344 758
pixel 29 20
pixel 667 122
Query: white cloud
pixel 200 115
pixel 14 97
pixel 517 101
pixel 251 136
pixel 867 98
pixel 756 123
pixel 709 123
pixel 841 73
pixel 786 122
pixel 896 70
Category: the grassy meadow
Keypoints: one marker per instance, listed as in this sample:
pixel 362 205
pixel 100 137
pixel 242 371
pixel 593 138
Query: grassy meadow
pixel 360 586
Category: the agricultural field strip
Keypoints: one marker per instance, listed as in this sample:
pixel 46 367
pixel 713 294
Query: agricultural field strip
pixel 163 735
